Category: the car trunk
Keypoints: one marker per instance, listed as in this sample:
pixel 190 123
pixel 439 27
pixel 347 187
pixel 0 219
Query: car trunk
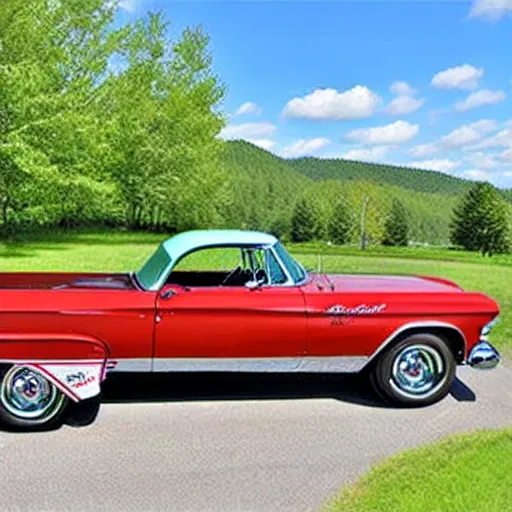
pixel 54 280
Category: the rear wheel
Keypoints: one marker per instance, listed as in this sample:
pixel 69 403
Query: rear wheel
pixel 28 400
pixel 417 371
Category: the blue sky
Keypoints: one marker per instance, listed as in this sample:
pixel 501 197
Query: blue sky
pixel 419 83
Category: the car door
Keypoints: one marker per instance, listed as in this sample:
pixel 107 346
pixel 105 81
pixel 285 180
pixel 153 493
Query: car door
pixel 229 328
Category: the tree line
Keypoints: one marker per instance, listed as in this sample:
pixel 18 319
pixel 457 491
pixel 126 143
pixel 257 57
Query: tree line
pixel 481 221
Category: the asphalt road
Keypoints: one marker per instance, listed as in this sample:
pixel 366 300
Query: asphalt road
pixel 226 443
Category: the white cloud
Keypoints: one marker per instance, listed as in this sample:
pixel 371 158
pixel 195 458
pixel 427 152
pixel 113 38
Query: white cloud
pixel 394 133
pixel 482 160
pixel 424 150
pixel 304 147
pixel 248 108
pixel 374 154
pixel 469 133
pixel 506 156
pixel 263 143
pixel 248 131
pixel 507 174
pixel 129 5
pixel 492 10
pixel 403 105
pixel 402 89
pixel 502 139
pixel 476 174
pixel 436 164
pixel 485 125
pixel 459 77
pixel 329 104
pixel 480 98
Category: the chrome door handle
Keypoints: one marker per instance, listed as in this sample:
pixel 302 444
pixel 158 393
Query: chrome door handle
pixel 167 294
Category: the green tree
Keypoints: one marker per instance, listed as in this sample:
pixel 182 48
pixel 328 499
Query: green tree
pixel 481 221
pixel 99 123
pixel 53 56
pixel 164 105
pixel 340 223
pixel 304 221
pixel 396 226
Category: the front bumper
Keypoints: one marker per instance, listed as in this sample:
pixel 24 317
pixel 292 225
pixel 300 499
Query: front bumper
pixel 483 356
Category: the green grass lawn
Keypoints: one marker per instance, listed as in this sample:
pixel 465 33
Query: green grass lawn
pixel 466 473
pixel 121 251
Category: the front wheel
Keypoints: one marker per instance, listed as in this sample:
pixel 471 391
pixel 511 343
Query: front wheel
pixel 417 371
pixel 29 401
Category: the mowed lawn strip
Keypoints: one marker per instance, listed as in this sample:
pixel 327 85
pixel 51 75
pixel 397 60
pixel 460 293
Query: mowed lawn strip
pixel 127 251
pixel 465 473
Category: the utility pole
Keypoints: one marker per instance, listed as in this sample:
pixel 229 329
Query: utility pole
pixel 363 222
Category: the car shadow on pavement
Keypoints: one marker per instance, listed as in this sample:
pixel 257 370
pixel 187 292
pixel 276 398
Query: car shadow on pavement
pixel 190 387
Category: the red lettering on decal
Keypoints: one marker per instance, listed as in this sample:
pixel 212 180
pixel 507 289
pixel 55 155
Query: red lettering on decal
pixel 87 381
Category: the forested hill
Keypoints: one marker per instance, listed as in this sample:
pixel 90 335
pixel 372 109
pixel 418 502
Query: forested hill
pixel 319 169
pixel 414 179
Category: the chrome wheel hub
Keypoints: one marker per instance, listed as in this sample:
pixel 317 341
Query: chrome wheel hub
pixel 418 371
pixel 28 395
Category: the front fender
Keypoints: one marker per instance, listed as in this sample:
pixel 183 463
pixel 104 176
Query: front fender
pixel 75 364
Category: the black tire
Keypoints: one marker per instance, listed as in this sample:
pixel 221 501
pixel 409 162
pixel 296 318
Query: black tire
pixel 420 358
pixel 14 417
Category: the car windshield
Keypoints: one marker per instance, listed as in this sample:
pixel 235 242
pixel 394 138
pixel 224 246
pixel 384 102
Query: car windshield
pixel 297 272
pixel 150 273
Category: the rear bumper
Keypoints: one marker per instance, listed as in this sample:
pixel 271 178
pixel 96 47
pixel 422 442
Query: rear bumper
pixel 483 356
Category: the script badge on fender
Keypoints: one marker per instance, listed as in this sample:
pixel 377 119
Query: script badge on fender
pixel 338 311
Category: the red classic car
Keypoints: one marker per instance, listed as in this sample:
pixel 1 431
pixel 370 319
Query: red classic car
pixel 256 309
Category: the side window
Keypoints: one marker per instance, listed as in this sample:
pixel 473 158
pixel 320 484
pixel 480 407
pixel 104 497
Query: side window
pixel 216 266
pixel 214 259
pixel 277 275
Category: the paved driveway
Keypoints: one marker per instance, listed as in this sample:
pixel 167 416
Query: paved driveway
pixel 206 443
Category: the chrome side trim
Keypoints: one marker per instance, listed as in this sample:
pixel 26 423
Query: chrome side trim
pixel 415 325
pixel 135 365
pixel 51 361
pixel 342 364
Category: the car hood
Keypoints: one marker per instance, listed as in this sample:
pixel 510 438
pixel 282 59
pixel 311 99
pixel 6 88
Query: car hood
pixel 382 283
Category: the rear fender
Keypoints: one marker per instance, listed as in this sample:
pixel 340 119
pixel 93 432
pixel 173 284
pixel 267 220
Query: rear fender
pixel 75 364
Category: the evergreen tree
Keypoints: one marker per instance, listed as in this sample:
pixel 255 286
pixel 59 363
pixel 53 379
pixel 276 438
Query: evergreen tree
pixel 481 221
pixel 396 226
pixel 340 223
pixel 304 221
